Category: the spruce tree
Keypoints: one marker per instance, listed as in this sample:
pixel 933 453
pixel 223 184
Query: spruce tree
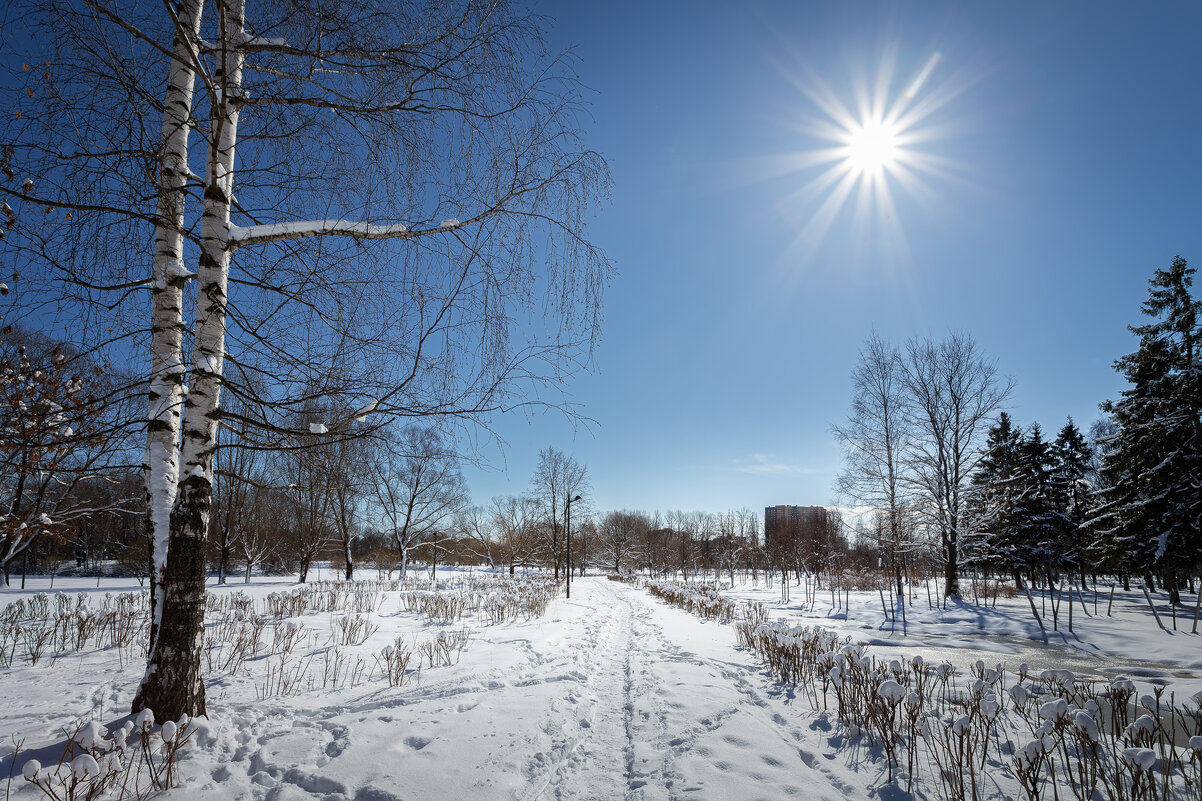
pixel 1073 467
pixel 1153 511
pixel 994 490
pixel 1038 518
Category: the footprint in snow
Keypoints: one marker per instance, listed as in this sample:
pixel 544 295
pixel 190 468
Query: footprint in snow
pixel 374 794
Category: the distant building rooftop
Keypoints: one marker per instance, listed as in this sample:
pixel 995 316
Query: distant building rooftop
pixel 776 517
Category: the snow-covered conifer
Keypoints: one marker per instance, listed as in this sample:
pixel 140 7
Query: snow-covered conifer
pixel 1152 511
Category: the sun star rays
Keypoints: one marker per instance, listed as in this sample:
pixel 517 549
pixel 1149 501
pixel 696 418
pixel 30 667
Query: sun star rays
pixel 865 151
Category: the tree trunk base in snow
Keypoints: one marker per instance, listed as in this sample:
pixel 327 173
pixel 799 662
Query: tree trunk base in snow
pixel 173 685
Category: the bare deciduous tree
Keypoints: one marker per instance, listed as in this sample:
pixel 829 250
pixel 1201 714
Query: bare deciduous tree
pixel 418 488
pixel 306 486
pixel 59 430
pixel 585 532
pixel 952 392
pixel 516 521
pixel 557 478
pixel 232 497
pixel 477 530
pixel 876 439
pixel 621 537
pixel 345 458
pixel 732 542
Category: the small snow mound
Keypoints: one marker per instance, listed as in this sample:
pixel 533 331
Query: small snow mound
pixel 85 767
pixel 890 690
pixel 1086 723
pixel 1053 710
pixel 91 735
pixel 1140 758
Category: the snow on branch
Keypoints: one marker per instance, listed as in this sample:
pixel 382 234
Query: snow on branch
pixel 360 416
pixel 275 232
pixel 248 40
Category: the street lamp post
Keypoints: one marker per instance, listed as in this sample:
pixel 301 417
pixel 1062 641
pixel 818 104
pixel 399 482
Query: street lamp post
pixel 568 513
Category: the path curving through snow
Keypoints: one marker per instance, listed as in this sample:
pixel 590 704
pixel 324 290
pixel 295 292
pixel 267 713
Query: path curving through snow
pixel 612 695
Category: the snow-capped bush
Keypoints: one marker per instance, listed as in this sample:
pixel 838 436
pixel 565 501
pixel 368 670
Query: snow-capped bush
pixel 96 762
pixel 704 600
pixel 1054 728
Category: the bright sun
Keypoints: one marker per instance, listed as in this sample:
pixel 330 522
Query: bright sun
pixel 872 147
pixel 869 144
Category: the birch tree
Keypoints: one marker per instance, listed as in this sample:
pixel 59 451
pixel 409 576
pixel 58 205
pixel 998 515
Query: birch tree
pixel 402 184
pixel 100 129
pixel 435 195
pixel 169 274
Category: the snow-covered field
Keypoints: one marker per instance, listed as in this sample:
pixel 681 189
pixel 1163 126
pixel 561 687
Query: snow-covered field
pixel 612 694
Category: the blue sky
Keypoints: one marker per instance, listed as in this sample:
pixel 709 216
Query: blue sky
pixel 1066 139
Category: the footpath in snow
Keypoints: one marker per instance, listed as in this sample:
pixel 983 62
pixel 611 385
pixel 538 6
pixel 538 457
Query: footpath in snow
pixel 613 695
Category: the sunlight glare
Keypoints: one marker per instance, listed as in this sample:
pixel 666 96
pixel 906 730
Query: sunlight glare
pixel 872 147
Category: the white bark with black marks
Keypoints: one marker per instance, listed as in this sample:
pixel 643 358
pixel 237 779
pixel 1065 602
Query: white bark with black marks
pixel 166 386
pixel 173 684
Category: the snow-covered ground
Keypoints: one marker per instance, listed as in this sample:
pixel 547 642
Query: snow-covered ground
pixel 612 694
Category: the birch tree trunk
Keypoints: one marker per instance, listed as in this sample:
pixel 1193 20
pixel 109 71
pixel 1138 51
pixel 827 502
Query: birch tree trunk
pixel 167 293
pixel 173 685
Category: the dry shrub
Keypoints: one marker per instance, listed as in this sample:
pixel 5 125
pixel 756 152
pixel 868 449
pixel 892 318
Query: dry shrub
pixel 1057 735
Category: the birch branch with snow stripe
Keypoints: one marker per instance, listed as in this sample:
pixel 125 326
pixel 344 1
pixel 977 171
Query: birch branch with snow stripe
pixel 241 236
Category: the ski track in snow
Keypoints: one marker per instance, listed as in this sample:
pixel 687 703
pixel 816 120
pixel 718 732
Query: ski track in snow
pixel 614 695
